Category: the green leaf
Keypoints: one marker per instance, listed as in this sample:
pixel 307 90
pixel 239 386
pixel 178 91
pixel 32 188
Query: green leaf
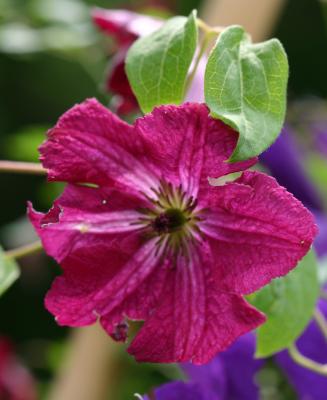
pixel 288 303
pixel 245 86
pixel 9 271
pixel 157 65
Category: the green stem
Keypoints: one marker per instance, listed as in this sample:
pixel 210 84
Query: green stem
pixel 306 362
pixel 22 167
pixel 321 322
pixel 209 29
pixel 26 250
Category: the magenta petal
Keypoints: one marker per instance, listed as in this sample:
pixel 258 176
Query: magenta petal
pixel 117 83
pixel 125 25
pixel 188 145
pixel 123 101
pixel 78 300
pixel 90 144
pixel 88 220
pixel 117 79
pixel 257 231
pixel 193 320
pixel 108 266
pixel 180 144
pixel 139 305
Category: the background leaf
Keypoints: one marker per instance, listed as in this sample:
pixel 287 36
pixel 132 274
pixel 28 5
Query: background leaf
pixel 9 272
pixel 288 304
pixel 157 65
pixel 245 86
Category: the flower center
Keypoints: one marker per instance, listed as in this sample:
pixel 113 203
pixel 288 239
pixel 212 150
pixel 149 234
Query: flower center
pixel 173 217
pixel 169 221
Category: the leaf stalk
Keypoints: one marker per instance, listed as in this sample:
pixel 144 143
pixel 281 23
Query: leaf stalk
pixel 209 29
pixel 321 322
pixel 25 250
pixel 306 362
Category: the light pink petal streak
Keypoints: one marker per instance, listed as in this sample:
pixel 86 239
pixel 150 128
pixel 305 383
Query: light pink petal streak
pixel 188 145
pixel 90 144
pixel 257 231
pixel 194 320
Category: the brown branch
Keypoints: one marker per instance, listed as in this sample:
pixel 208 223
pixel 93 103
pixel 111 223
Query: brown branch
pixel 22 167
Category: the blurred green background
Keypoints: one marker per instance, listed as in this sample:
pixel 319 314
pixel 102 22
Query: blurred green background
pixel 50 58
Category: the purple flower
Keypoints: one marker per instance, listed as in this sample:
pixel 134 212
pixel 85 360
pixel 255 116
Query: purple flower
pixel 312 344
pixel 285 162
pixel 230 375
pixel 320 136
pixel 320 242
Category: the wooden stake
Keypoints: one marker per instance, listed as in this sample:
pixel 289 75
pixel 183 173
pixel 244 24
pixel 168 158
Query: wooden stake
pixel 258 17
pixel 87 371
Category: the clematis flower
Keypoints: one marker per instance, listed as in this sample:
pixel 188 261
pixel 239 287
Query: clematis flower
pixel 124 101
pixel 285 162
pixel 151 240
pixel 125 27
pixel 230 375
pixel 16 383
pixel 308 385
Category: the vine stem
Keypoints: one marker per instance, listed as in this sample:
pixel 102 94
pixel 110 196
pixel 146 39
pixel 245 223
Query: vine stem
pixel 22 167
pixel 305 362
pixel 26 250
pixel 209 29
pixel 321 322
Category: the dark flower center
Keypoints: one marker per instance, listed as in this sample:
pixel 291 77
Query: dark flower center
pixel 173 219
pixel 169 221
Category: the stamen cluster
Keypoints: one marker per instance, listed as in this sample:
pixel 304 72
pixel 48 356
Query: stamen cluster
pixel 173 218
